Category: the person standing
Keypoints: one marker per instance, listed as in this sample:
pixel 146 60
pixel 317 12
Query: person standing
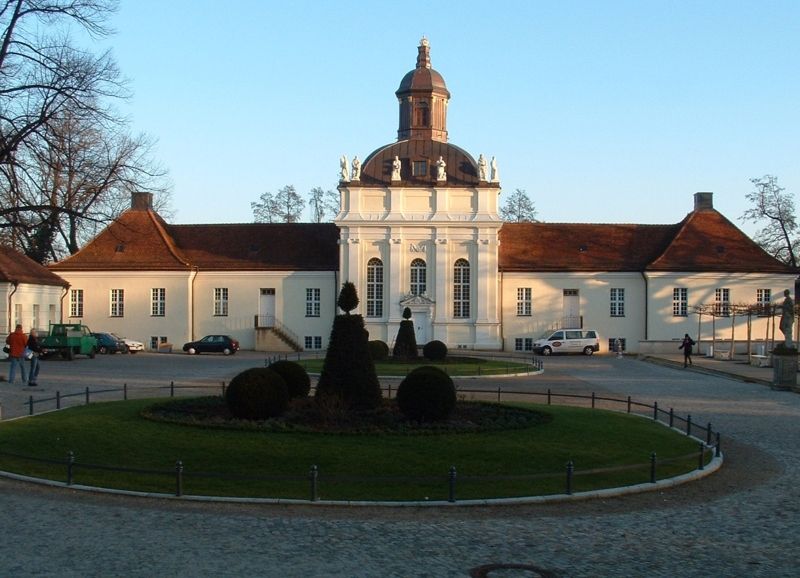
pixel 687 345
pixel 16 343
pixel 36 348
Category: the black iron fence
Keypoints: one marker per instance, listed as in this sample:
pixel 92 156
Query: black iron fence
pixel 708 446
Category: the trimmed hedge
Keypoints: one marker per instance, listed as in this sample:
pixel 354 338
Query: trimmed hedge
pixel 435 350
pixel 405 345
pixel 258 393
pixel 378 350
pixel 427 394
pixel 295 375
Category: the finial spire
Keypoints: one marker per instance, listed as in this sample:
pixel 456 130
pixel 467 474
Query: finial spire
pixel 424 56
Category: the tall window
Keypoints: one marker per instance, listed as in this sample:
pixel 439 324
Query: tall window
pixel 461 289
pixel 524 302
pixel 374 288
pixel 680 301
pixel 158 302
pixel 419 277
pixel 117 302
pixel 18 314
pixel 617 302
pixel 722 302
pixel 419 168
pixel 312 302
pixel 763 298
pixel 35 323
pixel 220 301
pixel 76 303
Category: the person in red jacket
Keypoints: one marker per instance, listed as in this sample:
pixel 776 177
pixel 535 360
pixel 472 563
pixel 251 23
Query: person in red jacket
pixel 16 343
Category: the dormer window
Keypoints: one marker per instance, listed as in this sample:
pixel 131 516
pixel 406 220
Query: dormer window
pixel 419 168
pixel 120 248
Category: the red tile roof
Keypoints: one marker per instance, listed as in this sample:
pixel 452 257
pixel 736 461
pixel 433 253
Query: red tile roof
pixel 17 268
pixel 141 240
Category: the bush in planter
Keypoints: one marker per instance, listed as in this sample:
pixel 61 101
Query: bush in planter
pixel 405 345
pixel 258 393
pixel 427 394
pixel 378 350
pixel 434 350
pixel 296 377
pixel 348 371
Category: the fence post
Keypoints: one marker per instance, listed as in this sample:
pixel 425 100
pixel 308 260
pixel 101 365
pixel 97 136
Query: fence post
pixel 1 412
pixel 58 399
pixel 498 394
pixel 689 425
pixel 570 471
pixel 125 391
pixel 179 478
pixel 629 404
pixel 30 405
pixel 313 476
pixel 87 395
pixel 70 464
pixel 172 389
pixel 452 484
pixel 592 400
pixel 653 468
pixel 700 464
pixel 548 396
pixel 655 411
pixel 223 389
pixel 389 393
pixel 718 452
pixel 708 434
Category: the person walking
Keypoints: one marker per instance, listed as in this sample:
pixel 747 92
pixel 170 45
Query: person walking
pixel 16 351
pixel 687 345
pixel 36 349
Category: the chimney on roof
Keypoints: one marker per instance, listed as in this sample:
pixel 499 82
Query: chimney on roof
pixel 141 201
pixel 703 201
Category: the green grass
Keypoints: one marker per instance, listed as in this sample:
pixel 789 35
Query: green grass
pixel 454 366
pixel 375 467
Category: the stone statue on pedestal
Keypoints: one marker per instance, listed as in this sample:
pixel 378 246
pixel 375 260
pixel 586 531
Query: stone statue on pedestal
pixel 495 174
pixel 481 168
pixel 440 173
pixel 787 319
pixel 344 175
pixel 396 164
pixel 356 174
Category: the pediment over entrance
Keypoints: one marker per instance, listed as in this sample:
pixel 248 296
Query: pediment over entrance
pixel 416 300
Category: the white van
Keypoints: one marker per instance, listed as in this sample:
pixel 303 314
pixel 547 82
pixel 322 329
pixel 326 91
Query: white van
pixel 567 341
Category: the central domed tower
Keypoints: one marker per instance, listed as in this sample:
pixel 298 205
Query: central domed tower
pixel 418 226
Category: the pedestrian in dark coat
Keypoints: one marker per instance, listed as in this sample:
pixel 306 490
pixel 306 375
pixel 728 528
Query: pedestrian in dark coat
pixel 687 345
pixel 36 348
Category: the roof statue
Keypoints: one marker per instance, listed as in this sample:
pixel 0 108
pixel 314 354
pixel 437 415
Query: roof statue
pixel 441 175
pixel 356 174
pixel 344 176
pixel 396 165
pixel 495 174
pixel 481 168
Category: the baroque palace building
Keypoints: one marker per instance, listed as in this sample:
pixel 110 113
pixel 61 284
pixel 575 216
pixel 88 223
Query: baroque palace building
pixel 418 227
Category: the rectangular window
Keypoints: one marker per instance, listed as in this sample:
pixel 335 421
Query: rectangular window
pixel 52 314
pixel 221 302
pixel 158 302
pixel 524 305
pixel 312 342
pixel 763 299
pixel 76 303
pixel 617 302
pixel 117 303
pixel 523 344
pixel 680 302
pixel 722 302
pixel 35 323
pixel 155 341
pixel 18 314
pixel 419 168
pixel 312 302
pixel 374 288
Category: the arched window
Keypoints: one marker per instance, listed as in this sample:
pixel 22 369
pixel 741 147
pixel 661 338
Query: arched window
pixel 419 277
pixel 375 288
pixel 461 289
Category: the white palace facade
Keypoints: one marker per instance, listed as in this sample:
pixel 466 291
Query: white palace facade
pixel 418 227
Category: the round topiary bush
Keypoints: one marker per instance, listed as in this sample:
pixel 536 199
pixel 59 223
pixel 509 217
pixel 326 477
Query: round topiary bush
pixel 434 350
pixel 378 350
pixel 427 394
pixel 258 393
pixel 295 375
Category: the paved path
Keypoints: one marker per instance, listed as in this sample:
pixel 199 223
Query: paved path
pixel 743 521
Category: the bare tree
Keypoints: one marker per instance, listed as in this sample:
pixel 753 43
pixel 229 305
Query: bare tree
pixel 774 207
pixel 518 208
pixel 324 204
pixel 285 206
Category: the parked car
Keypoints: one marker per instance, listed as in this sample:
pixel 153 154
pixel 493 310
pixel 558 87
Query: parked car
pixel 133 345
pixel 212 344
pixel 109 343
pixel 567 341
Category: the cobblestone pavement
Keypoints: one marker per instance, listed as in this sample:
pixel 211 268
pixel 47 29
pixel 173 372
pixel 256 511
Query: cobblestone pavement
pixel 742 521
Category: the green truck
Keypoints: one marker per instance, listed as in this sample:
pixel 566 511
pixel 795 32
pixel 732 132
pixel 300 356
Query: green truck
pixel 69 340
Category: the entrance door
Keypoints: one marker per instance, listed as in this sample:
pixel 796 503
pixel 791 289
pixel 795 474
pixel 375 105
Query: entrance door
pixel 421 328
pixel 266 308
pixel 571 309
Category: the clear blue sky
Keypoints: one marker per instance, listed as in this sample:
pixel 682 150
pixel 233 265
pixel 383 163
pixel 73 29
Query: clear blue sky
pixel 601 111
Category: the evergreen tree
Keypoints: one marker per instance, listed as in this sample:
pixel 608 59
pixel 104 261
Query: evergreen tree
pixel 405 345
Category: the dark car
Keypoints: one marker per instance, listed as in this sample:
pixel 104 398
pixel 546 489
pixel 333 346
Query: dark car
pixel 108 343
pixel 212 344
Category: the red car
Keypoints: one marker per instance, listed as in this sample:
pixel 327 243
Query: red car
pixel 213 344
